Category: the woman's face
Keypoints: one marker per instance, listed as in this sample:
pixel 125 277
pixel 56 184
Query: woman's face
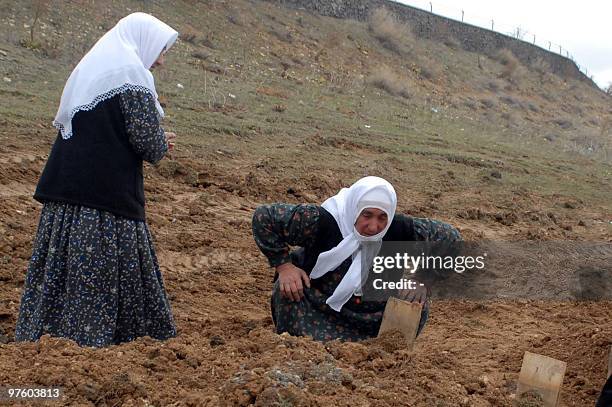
pixel 371 221
pixel 161 59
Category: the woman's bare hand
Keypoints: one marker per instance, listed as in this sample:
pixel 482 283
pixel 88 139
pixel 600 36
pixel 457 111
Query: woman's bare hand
pixel 169 139
pixel 418 294
pixel 291 281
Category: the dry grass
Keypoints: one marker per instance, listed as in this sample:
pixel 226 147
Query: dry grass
pixel 392 34
pixel 268 91
pixel 384 78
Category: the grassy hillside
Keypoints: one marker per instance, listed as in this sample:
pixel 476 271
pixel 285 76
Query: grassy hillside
pixel 252 74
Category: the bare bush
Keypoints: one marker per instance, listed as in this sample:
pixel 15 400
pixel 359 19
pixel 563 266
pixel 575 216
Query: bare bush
pixel 428 69
pixel 469 103
pixel 533 107
pixel 39 9
pixel 384 78
pixel 392 34
pixel 189 34
pixel 494 86
pixel 282 35
pixel 564 123
pixel 510 100
pixel 236 18
pixel 509 61
pixel 488 103
pixel 201 55
pixel 208 42
pixel 541 66
pixel 452 43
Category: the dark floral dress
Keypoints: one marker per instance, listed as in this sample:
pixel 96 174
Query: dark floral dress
pixel 277 227
pixel 93 276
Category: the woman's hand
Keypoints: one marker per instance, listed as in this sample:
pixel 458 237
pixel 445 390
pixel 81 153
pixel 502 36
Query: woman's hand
pixel 290 280
pixel 169 139
pixel 418 294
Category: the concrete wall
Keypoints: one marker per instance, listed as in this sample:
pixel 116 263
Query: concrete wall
pixel 427 25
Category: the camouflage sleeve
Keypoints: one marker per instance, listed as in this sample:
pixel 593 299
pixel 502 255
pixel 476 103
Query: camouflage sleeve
pixel 142 125
pixel 435 230
pixel 278 226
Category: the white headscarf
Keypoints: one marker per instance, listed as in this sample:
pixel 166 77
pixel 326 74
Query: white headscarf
pixel 120 60
pixel 345 207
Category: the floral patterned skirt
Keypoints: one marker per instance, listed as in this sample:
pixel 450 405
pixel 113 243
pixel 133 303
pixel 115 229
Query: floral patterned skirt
pixel 93 278
pixel 312 317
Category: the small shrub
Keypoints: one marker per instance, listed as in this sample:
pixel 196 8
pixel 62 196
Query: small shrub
pixel 429 69
pixel 392 34
pixel 284 36
pixel 208 42
pixel 541 66
pixel 189 34
pixel 550 97
pixel 564 123
pixel 384 78
pixel 493 86
pixel 510 118
pixel 510 101
pixel 280 108
pixel 469 103
pixel 452 43
pixel 201 55
pixel 236 18
pixel 488 103
pixel 51 49
pixel 39 9
pixel 533 107
pixel 509 61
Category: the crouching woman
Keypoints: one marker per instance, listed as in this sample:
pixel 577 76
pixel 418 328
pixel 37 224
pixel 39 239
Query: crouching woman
pixel 317 289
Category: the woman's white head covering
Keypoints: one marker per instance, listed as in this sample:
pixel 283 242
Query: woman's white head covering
pixel 120 60
pixel 345 207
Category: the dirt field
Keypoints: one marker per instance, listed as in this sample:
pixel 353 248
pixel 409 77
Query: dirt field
pixel 471 168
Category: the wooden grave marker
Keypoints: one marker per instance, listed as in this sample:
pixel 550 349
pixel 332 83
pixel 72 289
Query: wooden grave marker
pixel 543 375
pixel 401 316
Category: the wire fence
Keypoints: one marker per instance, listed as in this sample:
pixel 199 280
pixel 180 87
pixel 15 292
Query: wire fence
pixel 512 30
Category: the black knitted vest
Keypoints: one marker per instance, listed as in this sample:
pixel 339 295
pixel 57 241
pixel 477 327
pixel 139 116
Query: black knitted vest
pixel 96 167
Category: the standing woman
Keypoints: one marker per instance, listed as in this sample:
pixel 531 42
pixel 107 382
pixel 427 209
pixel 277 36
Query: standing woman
pixel 93 276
